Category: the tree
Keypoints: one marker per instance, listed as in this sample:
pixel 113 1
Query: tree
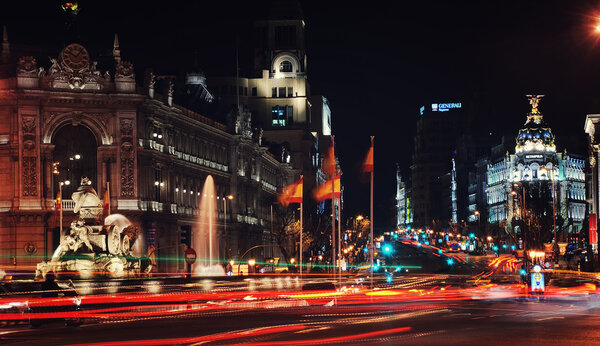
pixel 284 230
pixel 539 215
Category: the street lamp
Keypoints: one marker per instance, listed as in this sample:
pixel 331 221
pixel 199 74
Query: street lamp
pixel 225 198
pixel 478 221
pixel 551 172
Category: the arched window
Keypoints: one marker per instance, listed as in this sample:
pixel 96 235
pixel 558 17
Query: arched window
pixel 285 66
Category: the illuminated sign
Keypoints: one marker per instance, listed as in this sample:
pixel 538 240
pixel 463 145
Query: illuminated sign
pixel 422 110
pixel 593 228
pixel 538 156
pixel 537 282
pixel 444 107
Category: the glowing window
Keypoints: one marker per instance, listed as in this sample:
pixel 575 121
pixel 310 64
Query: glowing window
pixel 285 66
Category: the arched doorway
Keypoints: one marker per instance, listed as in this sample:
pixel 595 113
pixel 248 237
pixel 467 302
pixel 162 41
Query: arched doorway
pixel 75 149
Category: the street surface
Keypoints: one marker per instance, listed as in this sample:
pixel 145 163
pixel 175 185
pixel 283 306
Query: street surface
pixel 488 316
pixel 476 300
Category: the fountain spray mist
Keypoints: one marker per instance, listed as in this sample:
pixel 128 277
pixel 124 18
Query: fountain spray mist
pixel 204 234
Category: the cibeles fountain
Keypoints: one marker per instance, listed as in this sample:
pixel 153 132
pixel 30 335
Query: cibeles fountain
pixel 90 248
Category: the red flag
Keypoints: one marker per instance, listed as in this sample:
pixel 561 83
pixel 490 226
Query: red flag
pixel 329 164
pixel 291 193
pixel 368 163
pixel 106 204
pixel 324 191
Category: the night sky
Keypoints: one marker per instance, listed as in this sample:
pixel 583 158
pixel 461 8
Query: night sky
pixel 377 62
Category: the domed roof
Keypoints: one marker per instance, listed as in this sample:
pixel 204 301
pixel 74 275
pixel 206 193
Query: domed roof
pixel 536 135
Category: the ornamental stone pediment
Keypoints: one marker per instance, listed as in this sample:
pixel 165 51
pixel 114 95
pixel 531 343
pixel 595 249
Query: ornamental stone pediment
pixel 71 70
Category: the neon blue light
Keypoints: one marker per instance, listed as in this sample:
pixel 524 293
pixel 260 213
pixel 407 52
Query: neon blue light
pixel 512 247
pixel 388 279
pixel 504 246
pixel 365 249
pixel 523 272
pixel 419 244
pixel 450 261
pixel 472 235
pixel 426 242
pixel 440 251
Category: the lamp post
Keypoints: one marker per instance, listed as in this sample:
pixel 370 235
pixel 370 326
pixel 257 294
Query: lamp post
pixel 225 198
pixel 478 221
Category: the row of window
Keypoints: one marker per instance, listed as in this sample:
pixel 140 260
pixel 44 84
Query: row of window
pixel 282 92
pixel 190 145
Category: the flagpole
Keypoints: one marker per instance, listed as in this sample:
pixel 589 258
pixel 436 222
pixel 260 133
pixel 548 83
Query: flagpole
pixel 301 225
pixel 60 217
pixel 333 257
pixel 372 250
pixel 339 232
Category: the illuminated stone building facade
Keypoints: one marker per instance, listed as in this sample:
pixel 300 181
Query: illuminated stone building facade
pixel 155 154
pixel 537 161
pixel 277 94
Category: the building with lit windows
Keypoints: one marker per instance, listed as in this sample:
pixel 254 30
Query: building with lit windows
pixel 277 93
pixel 95 121
pixel 538 171
pixel 403 201
pixel 439 127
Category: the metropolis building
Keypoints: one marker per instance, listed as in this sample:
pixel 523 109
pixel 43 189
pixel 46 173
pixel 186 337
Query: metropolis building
pixel 155 154
pixel 536 160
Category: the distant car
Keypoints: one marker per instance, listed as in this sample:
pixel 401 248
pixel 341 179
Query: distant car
pixel 454 247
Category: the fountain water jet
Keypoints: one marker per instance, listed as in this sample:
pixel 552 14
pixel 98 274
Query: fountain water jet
pixel 204 235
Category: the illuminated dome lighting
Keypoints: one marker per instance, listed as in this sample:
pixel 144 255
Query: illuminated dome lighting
pixel 536 135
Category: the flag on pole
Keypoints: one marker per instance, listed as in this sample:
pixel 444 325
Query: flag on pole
pixel 324 191
pixel 329 164
pixel 106 202
pixel 291 193
pixel 368 163
pixel 58 200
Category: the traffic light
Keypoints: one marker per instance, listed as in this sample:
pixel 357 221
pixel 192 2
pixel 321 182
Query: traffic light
pixel 387 249
pixel 186 235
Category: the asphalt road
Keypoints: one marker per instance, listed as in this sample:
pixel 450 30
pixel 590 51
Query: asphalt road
pixel 531 321
pixel 479 304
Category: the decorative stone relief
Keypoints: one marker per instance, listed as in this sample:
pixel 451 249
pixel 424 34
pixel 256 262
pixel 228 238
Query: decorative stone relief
pixel 124 70
pixel 27 65
pixel 28 125
pixel 127 158
pixel 29 169
pixel 243 122
pixel 73 70
pixel 29 176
